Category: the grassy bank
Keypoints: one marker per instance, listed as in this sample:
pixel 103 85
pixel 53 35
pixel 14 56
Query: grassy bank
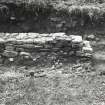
pixel 57 1
pixel 72 8
pixel 58 15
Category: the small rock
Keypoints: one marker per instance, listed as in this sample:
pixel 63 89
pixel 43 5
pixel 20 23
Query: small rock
pixel 93 43
pixel 9 47
pixel 12 18
pixel 21 36
pixel 7 34
pixel 97 39
pixel 11 40
pixel 58 34
pixel 10 53
pixel 2 40
pixel 20 49
pixel 44 35
pixel 91 37
pixel 11 59
pixel 25 53
pixel 33 35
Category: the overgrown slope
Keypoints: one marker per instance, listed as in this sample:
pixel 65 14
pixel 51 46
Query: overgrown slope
pixel 58 15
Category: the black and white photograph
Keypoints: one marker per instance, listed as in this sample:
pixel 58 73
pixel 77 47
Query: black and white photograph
pixel 52 52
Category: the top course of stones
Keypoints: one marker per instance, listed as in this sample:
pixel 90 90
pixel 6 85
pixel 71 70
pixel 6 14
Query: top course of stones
pixel 36 37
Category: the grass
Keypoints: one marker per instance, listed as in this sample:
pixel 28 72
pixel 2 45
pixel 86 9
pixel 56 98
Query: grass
pixel 84 10
pixel 78 87
pixel 55 89
pixel 56 1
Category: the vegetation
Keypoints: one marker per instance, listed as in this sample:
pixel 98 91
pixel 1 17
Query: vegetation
pixel 93 10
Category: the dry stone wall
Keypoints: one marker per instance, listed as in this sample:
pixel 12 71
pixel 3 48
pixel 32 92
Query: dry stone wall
pixel 14 45
pixel 26 48
pixel 34 45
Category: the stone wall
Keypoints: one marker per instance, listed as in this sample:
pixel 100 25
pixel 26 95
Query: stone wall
pixel 33 40
pixel 22 47
pixel 34 45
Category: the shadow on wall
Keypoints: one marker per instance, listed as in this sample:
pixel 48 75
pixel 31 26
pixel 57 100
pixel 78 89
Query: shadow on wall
pixel 17 18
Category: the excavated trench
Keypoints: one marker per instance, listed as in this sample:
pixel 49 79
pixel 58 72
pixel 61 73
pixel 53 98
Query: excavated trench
pixel 22 18
pixel 70 79
pixel 18 18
